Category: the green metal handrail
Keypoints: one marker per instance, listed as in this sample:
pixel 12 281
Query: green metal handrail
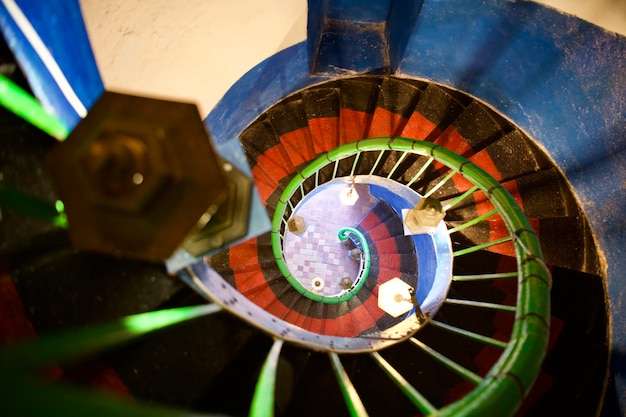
pixel 500 392
pixel 329 299
pixel 509 380
pixel 18 101
pixel 28 205
pixel 364 272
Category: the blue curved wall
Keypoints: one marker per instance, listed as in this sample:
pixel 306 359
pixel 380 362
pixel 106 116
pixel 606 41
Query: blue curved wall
pixel 559 78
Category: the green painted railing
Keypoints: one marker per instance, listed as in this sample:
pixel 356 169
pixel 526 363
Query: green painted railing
pixel 28 205
pixel 500 392
pixel 18 101
pixel 343 234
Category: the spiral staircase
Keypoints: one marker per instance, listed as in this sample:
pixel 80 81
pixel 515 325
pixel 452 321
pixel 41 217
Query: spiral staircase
pixel 267 338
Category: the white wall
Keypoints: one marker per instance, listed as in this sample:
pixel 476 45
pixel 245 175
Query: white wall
pixel 196 49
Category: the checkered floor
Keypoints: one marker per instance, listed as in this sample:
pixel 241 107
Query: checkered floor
pixel 318 253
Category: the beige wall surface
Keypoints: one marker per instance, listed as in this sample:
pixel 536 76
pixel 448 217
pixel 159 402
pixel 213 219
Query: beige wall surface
pixel 195 50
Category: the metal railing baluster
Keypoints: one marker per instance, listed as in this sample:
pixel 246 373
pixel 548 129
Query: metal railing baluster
pixel 397 164
pixel 380 156
pixel 472 222
pixel 460 198
pixel 353 401
pixel 440 184
pixel 481 304
pixel 335 169
pixel 482 246
pixel 356 160
pixel 481 277
pixel 413 394
pixel 263 400
pixel 447 362
pixel 421 171
pixel 470 335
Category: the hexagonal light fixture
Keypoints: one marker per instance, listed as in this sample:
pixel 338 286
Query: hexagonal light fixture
pixel 136 175
pixel 346 283
pixel 425 216
pixel 348 196
pixel 296 224
pixel 394 297
pixel 226 222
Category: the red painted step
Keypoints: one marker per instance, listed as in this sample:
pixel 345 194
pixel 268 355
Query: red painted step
pixel 322 111
pixel 394 106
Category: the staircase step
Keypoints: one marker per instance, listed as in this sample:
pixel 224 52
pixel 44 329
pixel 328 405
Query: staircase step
pixel 250 280
pixel 321 106
pixel 402 245
pixel 289 119
pixel 543 194
pixel 403 264
pixel 314 321
pixel 357 104
pixel 262 146
pixel 510 157
pixel 395 103
pixel 433 113
pixel 472 130
pixel 567 242
pixel 300 320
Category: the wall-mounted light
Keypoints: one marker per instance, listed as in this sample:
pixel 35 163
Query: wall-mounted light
pixel 349 196
pixel 346 283
pixel 317 284
pixel 394 297
pixel 425 216
pixel 296 224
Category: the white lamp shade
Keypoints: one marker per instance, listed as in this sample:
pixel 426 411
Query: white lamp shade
pixel 348 196
pixel 394 297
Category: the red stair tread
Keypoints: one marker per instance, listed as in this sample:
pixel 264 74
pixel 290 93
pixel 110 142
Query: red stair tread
pixel 385 123
pixel 265 184
pixel 324 133
pixel 250 281
pixel 353 125
pixel 298 144
pixel 244 253
pixel 386 246
pixel 369 221
pixel 391 262
pixel 452 140
pixel 378 233
pixel 276 163
pixel 420 128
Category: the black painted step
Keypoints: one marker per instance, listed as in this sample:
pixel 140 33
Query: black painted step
pixel 321 106
pixel 290 123
pixel 358 97
pixel 395 103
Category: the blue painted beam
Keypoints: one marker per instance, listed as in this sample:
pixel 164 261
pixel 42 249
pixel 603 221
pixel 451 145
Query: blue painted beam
pixel 50 42
pixel 353 36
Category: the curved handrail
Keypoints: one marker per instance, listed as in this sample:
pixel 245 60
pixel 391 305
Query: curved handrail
pixel 343 234
pixel 503 389
pixel 329 299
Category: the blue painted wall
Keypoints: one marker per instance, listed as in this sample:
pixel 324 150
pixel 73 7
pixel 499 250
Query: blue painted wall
pixel 59 24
